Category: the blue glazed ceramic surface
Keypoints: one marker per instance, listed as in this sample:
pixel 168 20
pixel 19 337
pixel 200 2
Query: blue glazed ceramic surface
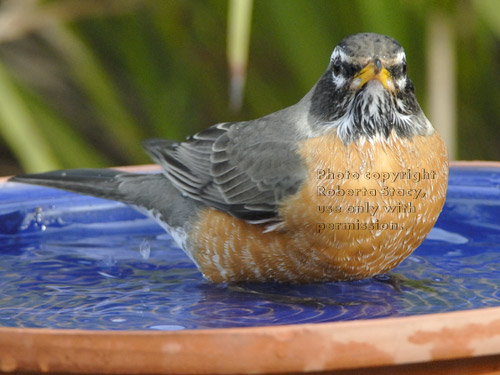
pixel 71 261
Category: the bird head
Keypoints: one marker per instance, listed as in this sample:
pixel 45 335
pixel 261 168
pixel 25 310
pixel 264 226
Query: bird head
pixel 366 92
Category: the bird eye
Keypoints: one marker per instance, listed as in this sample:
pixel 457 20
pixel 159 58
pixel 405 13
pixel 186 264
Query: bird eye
pixel 337 68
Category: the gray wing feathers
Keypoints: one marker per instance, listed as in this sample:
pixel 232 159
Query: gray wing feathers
pixel 244 169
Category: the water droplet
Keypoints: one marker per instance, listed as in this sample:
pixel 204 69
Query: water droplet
pixel 107 275
pixel 145 249
pixel 109 261
pixel 38 214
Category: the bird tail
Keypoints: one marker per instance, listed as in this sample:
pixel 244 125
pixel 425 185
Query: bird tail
pixel 151 193
pixel 102 183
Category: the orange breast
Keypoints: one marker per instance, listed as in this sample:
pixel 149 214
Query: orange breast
pixel 362 210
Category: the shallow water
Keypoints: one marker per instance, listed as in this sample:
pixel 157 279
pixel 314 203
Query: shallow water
pixel 70 261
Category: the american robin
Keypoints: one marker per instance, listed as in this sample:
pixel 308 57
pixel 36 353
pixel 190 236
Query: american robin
pixel 343 185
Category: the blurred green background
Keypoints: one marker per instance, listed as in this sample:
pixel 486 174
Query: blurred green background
pixel 82 82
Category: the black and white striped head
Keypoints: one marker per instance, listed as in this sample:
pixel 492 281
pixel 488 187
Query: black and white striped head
pixel 366 92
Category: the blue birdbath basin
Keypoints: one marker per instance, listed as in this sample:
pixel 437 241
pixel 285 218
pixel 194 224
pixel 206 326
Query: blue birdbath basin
pixel 73 262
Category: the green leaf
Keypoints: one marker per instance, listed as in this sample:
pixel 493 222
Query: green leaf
pixel 238 42
pixel 21 131
pixel 70 148
pixel 94 80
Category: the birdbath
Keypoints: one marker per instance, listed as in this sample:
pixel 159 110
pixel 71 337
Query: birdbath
pixel 91 286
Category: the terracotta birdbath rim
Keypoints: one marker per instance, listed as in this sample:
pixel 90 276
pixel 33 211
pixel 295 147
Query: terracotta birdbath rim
pixel 283 349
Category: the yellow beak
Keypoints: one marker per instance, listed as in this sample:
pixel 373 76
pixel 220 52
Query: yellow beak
pixel 375 71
